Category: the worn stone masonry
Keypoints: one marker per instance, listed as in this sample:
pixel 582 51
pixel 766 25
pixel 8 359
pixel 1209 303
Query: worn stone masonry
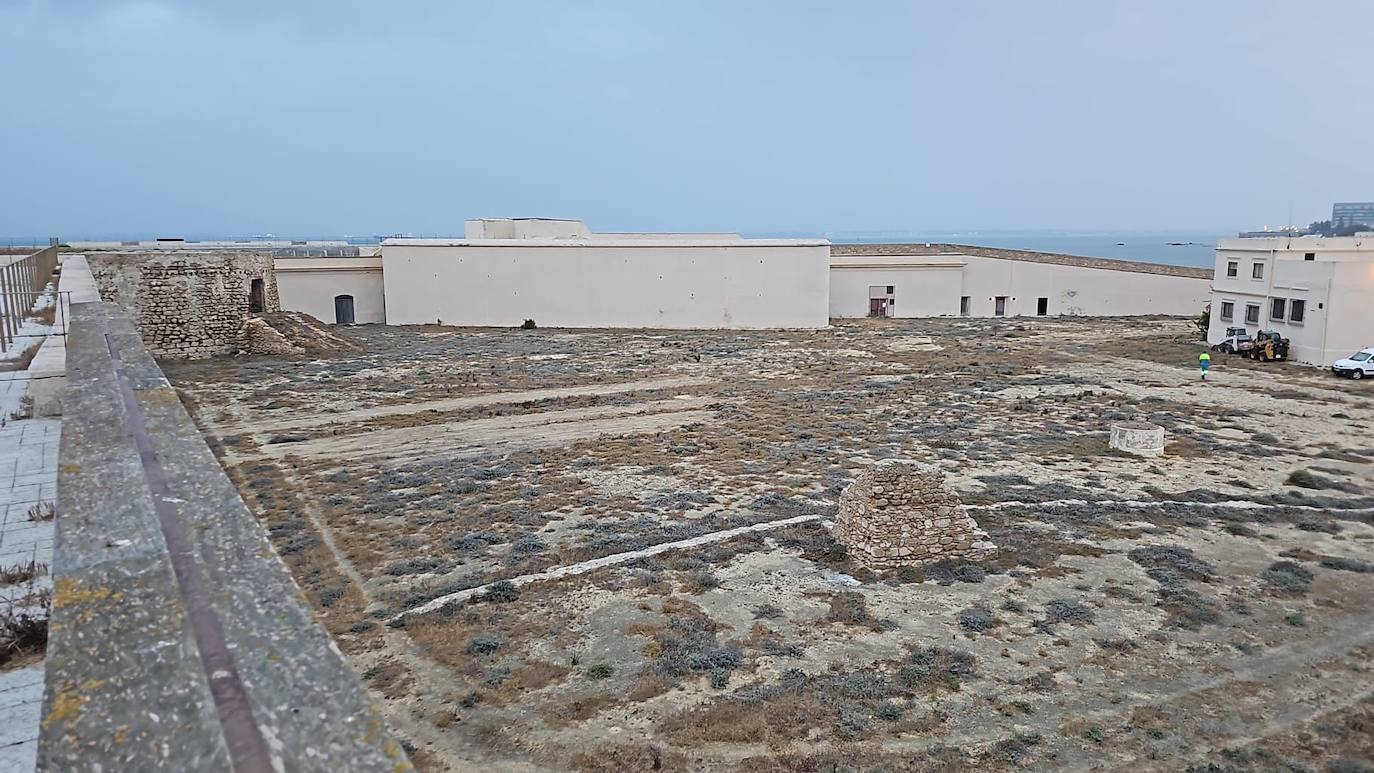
pixel 901 514
pixel 187 305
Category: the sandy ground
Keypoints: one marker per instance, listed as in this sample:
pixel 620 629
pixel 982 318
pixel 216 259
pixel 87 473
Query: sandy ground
pixel 1209 609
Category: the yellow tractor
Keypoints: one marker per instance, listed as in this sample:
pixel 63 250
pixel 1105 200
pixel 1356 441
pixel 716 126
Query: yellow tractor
pixel 1269 346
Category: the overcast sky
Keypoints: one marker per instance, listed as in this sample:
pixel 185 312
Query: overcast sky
pixel 326 117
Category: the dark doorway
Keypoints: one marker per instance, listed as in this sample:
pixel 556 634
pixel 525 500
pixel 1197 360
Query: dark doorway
pixel 1042 307
pixel 257 297
pixel 999 307
pixel 343 309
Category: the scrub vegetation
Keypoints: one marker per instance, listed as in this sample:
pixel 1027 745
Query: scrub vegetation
pixel 1131 603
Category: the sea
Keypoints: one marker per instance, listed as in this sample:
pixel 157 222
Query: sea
pixel 1179 249
pixel 1176 249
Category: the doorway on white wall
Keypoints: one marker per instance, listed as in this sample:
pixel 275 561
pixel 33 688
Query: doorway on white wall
pixel 882 300
pixel 999 306
pixel 343 309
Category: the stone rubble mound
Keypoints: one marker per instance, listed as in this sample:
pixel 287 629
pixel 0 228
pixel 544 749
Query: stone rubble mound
pixel 901 515
pixel 293 332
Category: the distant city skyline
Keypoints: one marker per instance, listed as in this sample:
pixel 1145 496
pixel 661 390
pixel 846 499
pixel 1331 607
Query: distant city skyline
pixel 323 118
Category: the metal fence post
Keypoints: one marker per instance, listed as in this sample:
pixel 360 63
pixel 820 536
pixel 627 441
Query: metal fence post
pixel 6 335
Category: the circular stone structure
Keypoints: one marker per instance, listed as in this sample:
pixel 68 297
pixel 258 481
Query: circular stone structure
pixel 901 515
pixel 1138 437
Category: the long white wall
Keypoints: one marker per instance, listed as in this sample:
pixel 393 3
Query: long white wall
pixel 608 283
pixel 925 285
pixel 311 284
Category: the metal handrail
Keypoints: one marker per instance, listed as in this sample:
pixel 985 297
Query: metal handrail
pixel 23 279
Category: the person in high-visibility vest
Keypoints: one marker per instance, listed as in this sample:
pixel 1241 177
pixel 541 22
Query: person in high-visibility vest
pixel 1204 363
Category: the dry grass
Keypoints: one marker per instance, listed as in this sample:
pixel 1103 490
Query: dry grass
pixel 42 512
pixel 21 573
pixel 23 633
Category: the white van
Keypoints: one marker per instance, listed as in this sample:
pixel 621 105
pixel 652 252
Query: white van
pixel 1357 365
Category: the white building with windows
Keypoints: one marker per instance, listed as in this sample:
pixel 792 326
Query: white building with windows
pixel 1317 292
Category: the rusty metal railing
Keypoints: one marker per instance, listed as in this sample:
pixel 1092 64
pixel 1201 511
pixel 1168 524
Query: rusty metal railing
pixel 22 282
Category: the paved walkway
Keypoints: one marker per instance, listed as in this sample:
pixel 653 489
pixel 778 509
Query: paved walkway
pixel 28 477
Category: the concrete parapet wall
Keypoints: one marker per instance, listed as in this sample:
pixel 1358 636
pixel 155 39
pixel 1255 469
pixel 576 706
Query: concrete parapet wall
pixel 178 640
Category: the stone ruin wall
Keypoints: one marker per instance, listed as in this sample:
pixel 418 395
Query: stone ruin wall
pixel 901 515
pixel 186 305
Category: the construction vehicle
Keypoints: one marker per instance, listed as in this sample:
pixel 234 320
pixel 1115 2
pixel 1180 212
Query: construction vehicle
pixel 1268 347
pixel 1237 340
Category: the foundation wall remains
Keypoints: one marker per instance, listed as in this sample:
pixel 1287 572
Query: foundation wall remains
pixel 188 305
pixel 901 515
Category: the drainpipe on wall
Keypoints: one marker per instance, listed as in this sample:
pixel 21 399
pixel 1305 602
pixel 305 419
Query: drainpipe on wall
pixel 1325 327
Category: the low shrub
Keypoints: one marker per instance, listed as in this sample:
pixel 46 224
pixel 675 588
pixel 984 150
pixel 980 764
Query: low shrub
pixel 1287 577
pixel 1069 611
pixel 501 591
pixel 1347 564
pixel 483 645
pixel 977 619
pixel 415 565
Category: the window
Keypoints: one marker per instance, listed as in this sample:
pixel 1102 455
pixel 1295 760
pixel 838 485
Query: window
pixel 257 300
pixel 1256 270
pixel 889 289
pixel 963 306
pixel 1252 313
pixel 1232 268
pixel 1277 307
pixel 1309 256
pixel 1297 310
pixel 1228 309
pixel 1042 307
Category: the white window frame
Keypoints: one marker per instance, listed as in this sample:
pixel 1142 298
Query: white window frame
pixel 1256 320
pixel 1274 305
pixel 1257 270
pixel 1297 320
pixel 1222 311
pixel 1233 269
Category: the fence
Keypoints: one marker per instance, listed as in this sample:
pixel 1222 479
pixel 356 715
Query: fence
pixel 22 283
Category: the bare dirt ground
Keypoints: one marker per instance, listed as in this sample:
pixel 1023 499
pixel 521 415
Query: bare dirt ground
pixel 1209 610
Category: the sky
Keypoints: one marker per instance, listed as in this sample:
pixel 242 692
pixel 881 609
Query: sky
pixel 333 117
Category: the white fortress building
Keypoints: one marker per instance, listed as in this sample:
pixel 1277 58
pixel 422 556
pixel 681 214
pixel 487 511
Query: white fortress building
pixel 1318 292
pixel 559 273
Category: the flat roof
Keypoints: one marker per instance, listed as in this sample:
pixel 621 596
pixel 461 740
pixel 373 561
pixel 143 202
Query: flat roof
pixel 643 241
pixel 1029 256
